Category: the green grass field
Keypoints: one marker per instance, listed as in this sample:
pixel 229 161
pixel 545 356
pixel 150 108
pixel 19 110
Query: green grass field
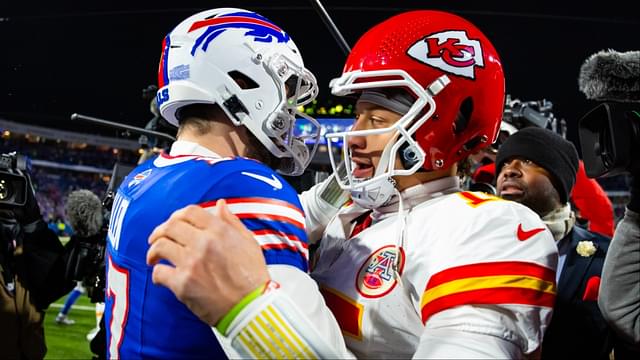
pixel 69 341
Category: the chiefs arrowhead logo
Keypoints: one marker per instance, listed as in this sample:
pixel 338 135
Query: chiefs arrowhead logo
pixel 451 51
pixel 524 235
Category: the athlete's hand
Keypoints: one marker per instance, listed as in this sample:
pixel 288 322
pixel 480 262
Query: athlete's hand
pixel 216 260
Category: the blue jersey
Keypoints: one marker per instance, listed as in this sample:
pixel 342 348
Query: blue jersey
pixel 146 320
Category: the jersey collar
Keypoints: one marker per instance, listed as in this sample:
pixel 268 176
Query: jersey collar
pixel 182 147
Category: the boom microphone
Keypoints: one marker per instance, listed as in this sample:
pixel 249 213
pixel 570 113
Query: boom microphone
pixel 84 211
pixel 86 259
pixel 611 76
pixel 610 132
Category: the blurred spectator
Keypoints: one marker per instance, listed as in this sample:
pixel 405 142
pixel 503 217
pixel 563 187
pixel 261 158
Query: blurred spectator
pixel 537 168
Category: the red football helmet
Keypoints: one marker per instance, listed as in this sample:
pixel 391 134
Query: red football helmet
pixel 452 70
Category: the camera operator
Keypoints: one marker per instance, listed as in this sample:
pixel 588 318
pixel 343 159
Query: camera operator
pixel 32 265
pixel 620 288
pixel 609 137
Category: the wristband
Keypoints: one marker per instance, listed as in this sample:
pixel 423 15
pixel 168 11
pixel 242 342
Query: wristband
pixel 226 320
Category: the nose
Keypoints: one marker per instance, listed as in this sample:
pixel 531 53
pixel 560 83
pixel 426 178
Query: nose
pixel 512 168
pixel 357 142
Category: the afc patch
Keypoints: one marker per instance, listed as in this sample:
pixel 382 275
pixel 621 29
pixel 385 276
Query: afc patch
pixel 377 275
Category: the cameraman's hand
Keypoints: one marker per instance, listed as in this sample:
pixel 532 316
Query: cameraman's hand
pixel 30 212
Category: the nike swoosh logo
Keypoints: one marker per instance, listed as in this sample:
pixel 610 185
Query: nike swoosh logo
pixel 273 181
pixel 524 235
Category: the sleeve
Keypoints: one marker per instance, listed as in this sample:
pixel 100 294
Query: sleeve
pixel 270 209
pixel 492 289
pixel 619 298
pixel 592 203
pixel 321 203
pixel 291 321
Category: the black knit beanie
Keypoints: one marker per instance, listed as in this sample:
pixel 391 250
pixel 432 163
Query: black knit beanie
pixel 548 150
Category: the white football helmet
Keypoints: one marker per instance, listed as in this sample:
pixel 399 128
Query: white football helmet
pixel 204 56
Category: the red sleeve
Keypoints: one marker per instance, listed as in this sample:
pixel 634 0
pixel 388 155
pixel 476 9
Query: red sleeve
pixel 593 203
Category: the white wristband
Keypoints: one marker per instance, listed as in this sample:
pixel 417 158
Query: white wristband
pixel 273 327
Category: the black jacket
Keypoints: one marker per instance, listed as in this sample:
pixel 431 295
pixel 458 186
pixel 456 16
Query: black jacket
pixel 578 329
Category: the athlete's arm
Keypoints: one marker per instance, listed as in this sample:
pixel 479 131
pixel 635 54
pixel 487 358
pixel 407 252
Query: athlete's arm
pixel 493 296
pixel 320 203
pixel 229 292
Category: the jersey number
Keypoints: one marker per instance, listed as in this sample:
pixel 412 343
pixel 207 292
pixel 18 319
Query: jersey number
pixel 118 294
pixel 475 199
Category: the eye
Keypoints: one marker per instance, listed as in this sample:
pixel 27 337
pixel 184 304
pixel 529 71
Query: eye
pixel 527 162
pixel 378 121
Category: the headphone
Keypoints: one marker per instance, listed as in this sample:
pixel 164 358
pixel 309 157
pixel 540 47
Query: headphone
pixel 408 156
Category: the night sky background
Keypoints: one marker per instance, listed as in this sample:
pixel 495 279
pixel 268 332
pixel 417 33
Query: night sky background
pixel 61 57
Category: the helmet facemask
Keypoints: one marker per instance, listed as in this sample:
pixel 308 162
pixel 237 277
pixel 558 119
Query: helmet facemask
pixel 377 190
pixel 296 87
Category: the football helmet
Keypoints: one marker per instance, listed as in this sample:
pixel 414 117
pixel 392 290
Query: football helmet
pixel 456 77
pixel 248 66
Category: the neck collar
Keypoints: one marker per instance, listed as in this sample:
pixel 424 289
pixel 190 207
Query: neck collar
pixel 420 193
pixel 182 147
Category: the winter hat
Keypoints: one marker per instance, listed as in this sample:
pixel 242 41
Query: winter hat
pixel 548 150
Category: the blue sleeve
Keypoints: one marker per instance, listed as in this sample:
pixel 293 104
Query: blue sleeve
pixel 268 206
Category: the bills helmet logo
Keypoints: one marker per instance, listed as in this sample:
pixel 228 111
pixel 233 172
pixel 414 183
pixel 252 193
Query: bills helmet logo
pixel 451 51
pixel 377 275
pixel 259 28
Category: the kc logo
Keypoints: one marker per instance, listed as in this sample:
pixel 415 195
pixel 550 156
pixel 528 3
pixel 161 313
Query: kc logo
pixel 451 51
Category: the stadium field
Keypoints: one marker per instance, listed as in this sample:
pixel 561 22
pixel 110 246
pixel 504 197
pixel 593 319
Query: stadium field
pixel 70 341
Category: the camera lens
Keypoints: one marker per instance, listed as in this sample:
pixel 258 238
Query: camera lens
pixel 5 190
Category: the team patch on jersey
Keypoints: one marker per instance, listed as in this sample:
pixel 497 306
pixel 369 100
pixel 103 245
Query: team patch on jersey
pixel 377 275
pixel 139 178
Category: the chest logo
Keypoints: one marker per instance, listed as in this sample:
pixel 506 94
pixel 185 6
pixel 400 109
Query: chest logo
pixel 139 177
pixel 378 274
pixel 525 235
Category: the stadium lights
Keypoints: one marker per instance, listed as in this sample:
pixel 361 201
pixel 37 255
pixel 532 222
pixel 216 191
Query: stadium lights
pixel 314 109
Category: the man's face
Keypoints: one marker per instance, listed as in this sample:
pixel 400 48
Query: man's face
pixel 366 150
pixel 523 181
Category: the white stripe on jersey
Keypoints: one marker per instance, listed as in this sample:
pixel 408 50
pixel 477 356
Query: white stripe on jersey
pixel 267 209
pixel 278 240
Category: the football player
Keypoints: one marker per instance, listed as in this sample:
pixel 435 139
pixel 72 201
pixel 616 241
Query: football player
pixel 416 267
pixel 232 81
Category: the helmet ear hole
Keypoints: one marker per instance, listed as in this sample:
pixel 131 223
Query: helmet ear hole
pixel 463 116
pixel 243 80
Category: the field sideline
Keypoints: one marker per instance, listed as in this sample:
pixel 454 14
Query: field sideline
pixel 69 341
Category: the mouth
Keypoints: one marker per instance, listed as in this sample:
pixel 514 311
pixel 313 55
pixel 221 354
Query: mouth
pixel 511 189
pixel 362 168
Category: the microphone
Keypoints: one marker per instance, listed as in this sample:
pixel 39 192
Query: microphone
pixel 85 261
pixel 84 211
pixel 611 131
pixel 611 76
